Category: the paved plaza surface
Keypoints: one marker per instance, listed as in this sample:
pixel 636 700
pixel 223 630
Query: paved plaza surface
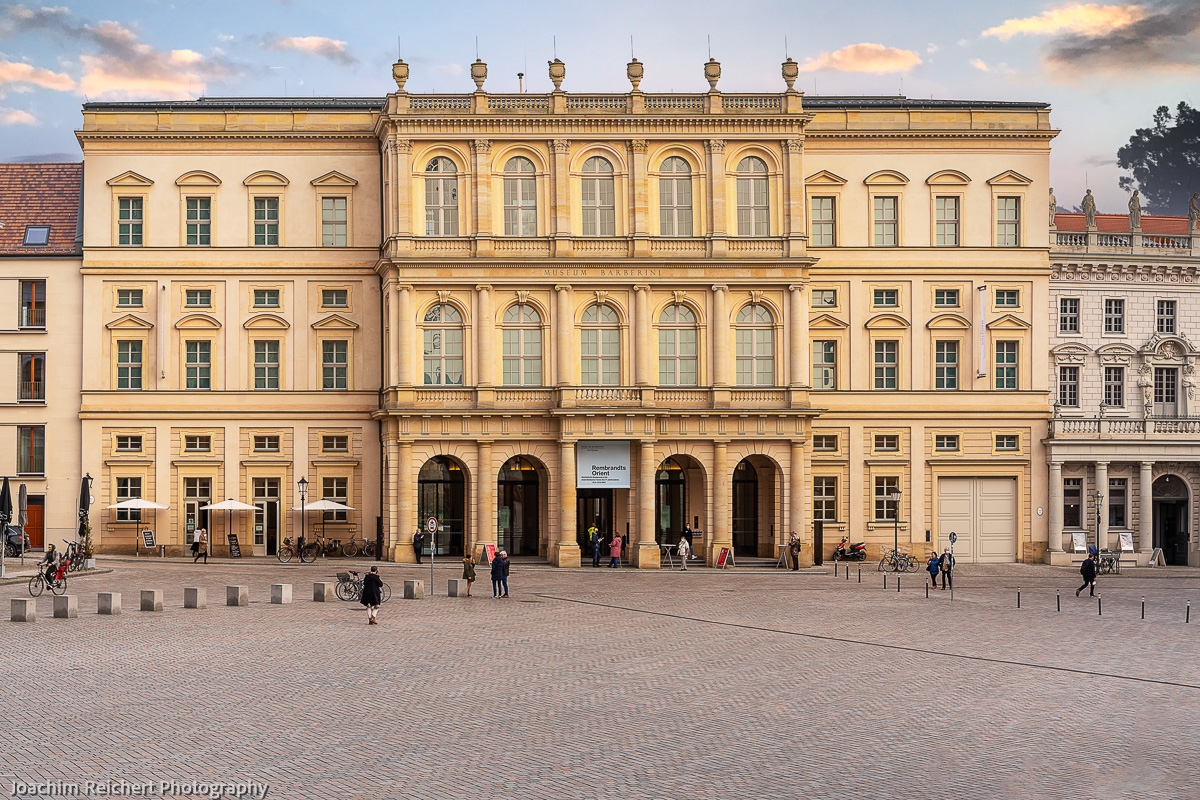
pixel 606 684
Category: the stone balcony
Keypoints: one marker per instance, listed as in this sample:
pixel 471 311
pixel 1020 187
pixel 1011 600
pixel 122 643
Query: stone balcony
pixel 609 247
pixel 560 102
pixel 1126 243
pixel 1123 428
pixel 595 398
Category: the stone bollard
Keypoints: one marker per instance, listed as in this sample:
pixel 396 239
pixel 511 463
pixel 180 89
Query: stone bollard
pixel 456 587
pixel 414 590
pixel 281 594
pixel 323 592
pixel 108 603
pixel 23 610
pixel 194 597
pixel 237 596
pixel 151 599
pixel 66 607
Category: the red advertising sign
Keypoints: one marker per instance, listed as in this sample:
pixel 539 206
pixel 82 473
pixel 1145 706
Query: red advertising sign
pixel 723 557
pixel 489 552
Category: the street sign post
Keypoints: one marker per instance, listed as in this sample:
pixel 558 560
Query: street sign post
pixel 953 539
pixel 432 526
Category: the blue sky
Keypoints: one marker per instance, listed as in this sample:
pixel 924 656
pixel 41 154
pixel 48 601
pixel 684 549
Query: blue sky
pixel 1103 66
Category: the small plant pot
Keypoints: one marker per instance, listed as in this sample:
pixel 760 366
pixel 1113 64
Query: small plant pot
pixel 89 563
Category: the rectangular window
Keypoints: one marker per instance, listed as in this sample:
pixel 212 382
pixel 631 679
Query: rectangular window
pixel 333 222
pixel 520 207
pixel 129 364
pixel 1008 221
pixel 522 357
pixel 884 215
pixel 1008 298
pixel 198 367
pixel 600 364
pixel 824 298
pixel 1114 387
pixel 266 444
pixel 1068 387
pixel 1006 365
pixel 1008 441
pixel 31 376
pixel 885 298
pixel 676 356
pixel 266 364
pixel 885 507
pixel 824 365
pixel 1164 316
pixel 266 298
pixel 1117 488
pixel 129 298
pixel 945 442
pixel 824 498
pixel 335 489
pixel 945 298
pixel 947 221
pixel 334 364
pixel 128 489
pixel 1068 315
pixel 129 444
pixel 199 221
pixel 1114 315
pixel 33 304
pixel 198 298
pixel 887 442
pixel 885 363
pixel 129 221
pixel 945 367
pixel 675 206
pixel 335 444
pixel 197 444
pixel 824 227
pixel 753 207
pixel 1072 502
pixel 825 443
pixel 31 450
pixel 335 298
pixel 1166 391
pixel 37 235
pixel 266 222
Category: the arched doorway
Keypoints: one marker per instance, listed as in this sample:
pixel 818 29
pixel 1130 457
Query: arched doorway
pixel 519 511
pixel 1171 519
pixel 442 493
pixel 745 509
pixel 670 492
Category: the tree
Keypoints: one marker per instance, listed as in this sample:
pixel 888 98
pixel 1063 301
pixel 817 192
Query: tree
pixel 1164 160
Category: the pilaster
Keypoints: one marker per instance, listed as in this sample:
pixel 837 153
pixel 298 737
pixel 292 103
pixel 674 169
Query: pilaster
pixel 1146 506
pixel 566 549
pixel 481 178
pixel 646 555
pixel 722 533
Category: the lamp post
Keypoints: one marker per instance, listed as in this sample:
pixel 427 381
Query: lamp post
pixel 1098 496
pixel 303 484
pixel 896 517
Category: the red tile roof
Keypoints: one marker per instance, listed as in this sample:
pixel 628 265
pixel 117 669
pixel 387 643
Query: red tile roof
pixel 1119 223
pixel 40 194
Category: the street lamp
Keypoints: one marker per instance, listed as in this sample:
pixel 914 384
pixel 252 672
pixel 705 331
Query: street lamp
pixel 896 516
pixel 303 484
pixel 1098 496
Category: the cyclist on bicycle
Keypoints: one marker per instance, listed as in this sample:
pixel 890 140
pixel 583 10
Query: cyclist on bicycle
pixel 52 560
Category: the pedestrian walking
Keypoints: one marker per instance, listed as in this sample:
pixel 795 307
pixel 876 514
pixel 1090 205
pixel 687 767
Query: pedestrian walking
pixel 500 575
pixel 195 544
pixel 794 552
pixel 933 566
pixel 372 594
pixel 946 564
pixel 468 571
pixel 200 545
pixel 597 541
pixel 688 533
pixel 685 550
pixel 418 543
pixel 504 565
pixel 1088 570
pixel 614 551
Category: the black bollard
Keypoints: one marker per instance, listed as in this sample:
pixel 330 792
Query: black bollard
pixel 1058 600
pixel 897 583
pixel 1099 606
pixel 927 591
pixel 860 574
pixel 885 580
pixel 1018 597
pixel 847 573
pixel 1187 617
pixel 1143 606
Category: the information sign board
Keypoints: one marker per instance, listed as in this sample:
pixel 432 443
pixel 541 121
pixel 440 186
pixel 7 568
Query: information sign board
pixel 235 549
pixel 602 465
pixel 148 539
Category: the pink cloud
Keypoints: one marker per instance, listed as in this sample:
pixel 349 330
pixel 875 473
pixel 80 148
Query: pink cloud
pixel 864 57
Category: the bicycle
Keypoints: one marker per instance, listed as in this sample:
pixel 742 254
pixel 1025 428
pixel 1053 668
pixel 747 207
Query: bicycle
pixel 73 557
pixel 897 561
pixel 287 551
pixel 38 583
pixel 350 585
pixel 1110 563
pixel 355 546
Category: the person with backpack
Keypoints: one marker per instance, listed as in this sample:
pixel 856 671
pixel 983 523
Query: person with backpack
pixel 1088 570
pixel 946 564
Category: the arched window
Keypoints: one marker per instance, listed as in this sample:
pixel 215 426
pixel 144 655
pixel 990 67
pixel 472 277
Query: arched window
pixel 520 197
pixel 441 198
pixel 755 346
pixel 599 198
pixel 677 346
pixel 600 347
pixel 753 207
pixel 675 198
pixel 443 346
pixel 522 346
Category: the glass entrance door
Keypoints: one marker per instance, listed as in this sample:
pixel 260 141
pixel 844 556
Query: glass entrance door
pixel 442 492
pixel 197 492
pixel 266 516
pixel 670 486
pixel 745 510
pixel 593 506
pixel 518 518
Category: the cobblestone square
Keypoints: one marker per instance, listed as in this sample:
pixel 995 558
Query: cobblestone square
pixel 753 683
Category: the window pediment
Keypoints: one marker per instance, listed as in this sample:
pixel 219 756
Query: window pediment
pixel 825 178
pixel 1010 178
pixel 1009 322
pixel 198 321
pixel 129 322
pixel 947 177
pixel 266 322
pixel 1168 345
pixel 1071 353
pixel 334 178
pixel 886 177
pixel 266 178
pixel 335 322
pixel 197 177
pixel 828 321
pixel 1116 353
pixel 948 321
pixel 130 178
pixel 892 321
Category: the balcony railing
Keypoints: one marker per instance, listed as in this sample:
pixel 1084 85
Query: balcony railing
pixel 32 317
pixel 1125 242
pixel 32 390
pixel 1122 428
pixel 519 398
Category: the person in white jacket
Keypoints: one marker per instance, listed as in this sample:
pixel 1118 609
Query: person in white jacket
pixel 684 551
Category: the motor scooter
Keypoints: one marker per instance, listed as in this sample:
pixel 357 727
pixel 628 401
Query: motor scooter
pixel 856 552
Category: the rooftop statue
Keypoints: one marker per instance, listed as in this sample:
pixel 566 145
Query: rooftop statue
pixel 1089 210
pixel 1135 211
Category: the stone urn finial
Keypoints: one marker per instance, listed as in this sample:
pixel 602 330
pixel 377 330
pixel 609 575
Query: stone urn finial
pixel 791 71
pixel 558 71
pixel 400 74
pixel 634 71
pixel 479 74
pixel 712 73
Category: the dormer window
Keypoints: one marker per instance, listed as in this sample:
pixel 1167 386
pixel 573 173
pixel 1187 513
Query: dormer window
pixel 37 235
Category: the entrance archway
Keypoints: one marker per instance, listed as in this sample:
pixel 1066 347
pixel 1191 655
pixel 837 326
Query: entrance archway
pixel 755 506
pixel 1171 519
pixel 442 493
pixel 518 524
pixel 679 498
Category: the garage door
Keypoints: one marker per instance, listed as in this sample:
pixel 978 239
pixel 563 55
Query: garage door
pixel 983 512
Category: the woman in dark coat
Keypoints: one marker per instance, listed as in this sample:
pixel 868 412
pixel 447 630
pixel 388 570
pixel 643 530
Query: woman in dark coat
pixel 469 571
pixel 372 594
pixel 499 570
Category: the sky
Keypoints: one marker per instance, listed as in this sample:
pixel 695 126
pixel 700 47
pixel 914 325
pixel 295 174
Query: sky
pixel 1104 67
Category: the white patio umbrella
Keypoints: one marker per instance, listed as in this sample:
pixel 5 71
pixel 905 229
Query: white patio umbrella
pixel 139 503
pixel 323 505
pixel 228 506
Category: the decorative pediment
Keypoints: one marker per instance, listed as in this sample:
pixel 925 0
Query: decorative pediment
pixel 129 323
pixel 334 178
pixel 825 178
pixel 886 177
pixel 1010 178
pixel 266 322
pixel 1169 346
pixel 198 322
pixel 1116 353
pixel 335 322
pixel 1009 323
pixel 827 322
pixel 947 177
pixel 1071 353
pixel 886 321
pixel 266 178
pixel 130 178
pixel 948 322
pixel 197 177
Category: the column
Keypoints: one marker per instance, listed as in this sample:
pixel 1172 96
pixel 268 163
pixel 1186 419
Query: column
pixel 1102 506
pixel 391 500
pixel 722 527
pixel 481 177
pixel 716 194
pixel 794 227
pixel 1146 507
pixel 647 554
pixel 1055 522
pixel 799 504
pixel 406 336
pixel 393 342
pixel 402 180
pixel 485 502
pixel 720 331
pixel 566 549
pixel 798 337
pixel 407 521
pixel 485 346
pixel 639 198
pixel 642 340
pixel 561 177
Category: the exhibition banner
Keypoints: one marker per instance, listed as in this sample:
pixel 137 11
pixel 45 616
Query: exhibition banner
pixel 602 465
